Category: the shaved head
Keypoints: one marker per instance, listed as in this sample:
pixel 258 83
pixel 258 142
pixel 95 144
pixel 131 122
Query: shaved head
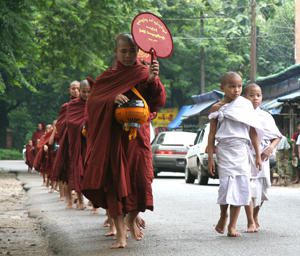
pixel 250 87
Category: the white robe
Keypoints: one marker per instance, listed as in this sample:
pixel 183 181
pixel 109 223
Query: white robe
pixel 260 179
pixel 233 150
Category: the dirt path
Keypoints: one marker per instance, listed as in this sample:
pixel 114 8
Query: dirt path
pixel 19 234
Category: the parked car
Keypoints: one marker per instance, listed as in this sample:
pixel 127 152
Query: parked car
pixel 169 150
pixel 197 159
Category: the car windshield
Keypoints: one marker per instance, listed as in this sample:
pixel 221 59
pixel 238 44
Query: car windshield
pixel 178 138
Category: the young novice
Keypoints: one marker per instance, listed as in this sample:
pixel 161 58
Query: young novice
pixel 260 179
pixel 234 127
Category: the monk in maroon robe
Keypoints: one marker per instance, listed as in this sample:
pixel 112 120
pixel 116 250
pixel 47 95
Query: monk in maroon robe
pixel 41 159
pixel 119 172
pixel 61 162
pixel 75 122
pixel 29 155
pixel 38 134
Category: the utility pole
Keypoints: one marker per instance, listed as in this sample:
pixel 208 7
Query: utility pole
pixel 253 42
pixel 297 31
pixel 202 55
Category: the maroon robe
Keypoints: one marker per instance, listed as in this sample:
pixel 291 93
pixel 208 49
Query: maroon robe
pixel 40 160
pixel 113 164
pixel 29 155
pixel 36 136
pixel 75 120
pixel 60 164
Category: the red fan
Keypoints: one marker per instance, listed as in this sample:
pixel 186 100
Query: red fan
pixel 152 35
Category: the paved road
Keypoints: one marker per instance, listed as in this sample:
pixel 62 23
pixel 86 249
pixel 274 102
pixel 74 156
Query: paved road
pixel 182 223
pixel 13 165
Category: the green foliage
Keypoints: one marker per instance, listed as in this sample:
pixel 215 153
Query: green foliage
pixel 276 40
pixel 10 154
pixel 46 44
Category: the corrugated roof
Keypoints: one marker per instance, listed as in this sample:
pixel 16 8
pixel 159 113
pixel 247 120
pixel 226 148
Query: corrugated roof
pixel 280 76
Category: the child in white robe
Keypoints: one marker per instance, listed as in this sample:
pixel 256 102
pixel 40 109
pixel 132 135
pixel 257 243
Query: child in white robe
pixel 260 179
pixel 234 127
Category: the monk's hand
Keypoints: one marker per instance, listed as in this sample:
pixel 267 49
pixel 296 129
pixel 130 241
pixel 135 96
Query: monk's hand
pixel 211 166
pixel 121 99
pixel 153 71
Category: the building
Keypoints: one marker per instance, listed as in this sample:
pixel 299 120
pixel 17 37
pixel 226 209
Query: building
pixel 281 97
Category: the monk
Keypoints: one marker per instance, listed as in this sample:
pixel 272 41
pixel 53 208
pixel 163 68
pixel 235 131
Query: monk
pixel 75 122
pixel 119 171
pixel 29 155
pixel 61 162
pixel 37 135
pixel 41 159
pixel 51 155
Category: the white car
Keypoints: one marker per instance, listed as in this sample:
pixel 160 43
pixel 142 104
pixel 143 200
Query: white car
pixel 169 150
pixel 197 159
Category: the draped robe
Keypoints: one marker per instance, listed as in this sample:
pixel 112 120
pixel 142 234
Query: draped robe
pixel 75 120
pixel 119 172
pixel 29 155
pixel 60 164
pixel 41 158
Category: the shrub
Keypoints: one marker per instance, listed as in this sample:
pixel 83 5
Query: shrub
pixel 10 154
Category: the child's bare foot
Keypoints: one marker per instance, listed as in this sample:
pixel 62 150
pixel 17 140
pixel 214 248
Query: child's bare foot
pixel 220 227
pixel 232 232
pixel 257 225
pixel 251 228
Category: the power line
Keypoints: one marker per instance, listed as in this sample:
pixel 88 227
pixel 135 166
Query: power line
pixel 227 38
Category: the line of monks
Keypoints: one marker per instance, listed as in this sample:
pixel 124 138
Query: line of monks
pixel 88 152
pixel 58 151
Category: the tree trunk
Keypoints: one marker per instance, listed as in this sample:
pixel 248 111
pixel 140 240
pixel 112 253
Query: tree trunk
pixel 3 123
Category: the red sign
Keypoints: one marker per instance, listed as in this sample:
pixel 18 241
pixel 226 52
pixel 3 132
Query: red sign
pixel 150 33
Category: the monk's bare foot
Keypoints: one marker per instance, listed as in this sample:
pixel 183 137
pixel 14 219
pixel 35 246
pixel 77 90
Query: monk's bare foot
pixel 118 245
pixel 220 227
pixel 251 228
pixel 135 231
pixel 110 233
pixel 140 222
pixel 94 210
pixel 80 206
pixel 232 232
pixel 62 198
pixel 120 242
pixel 69 205
pixel 106 223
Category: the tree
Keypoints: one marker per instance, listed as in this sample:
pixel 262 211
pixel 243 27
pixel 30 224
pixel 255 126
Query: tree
pixel 17 65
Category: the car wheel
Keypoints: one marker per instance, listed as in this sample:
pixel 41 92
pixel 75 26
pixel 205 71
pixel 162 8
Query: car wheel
pixel 155 172
pixel 202 180
pixel 189 178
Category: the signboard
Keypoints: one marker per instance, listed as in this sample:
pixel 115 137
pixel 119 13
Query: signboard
pixel 152 35
pixel 164 117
